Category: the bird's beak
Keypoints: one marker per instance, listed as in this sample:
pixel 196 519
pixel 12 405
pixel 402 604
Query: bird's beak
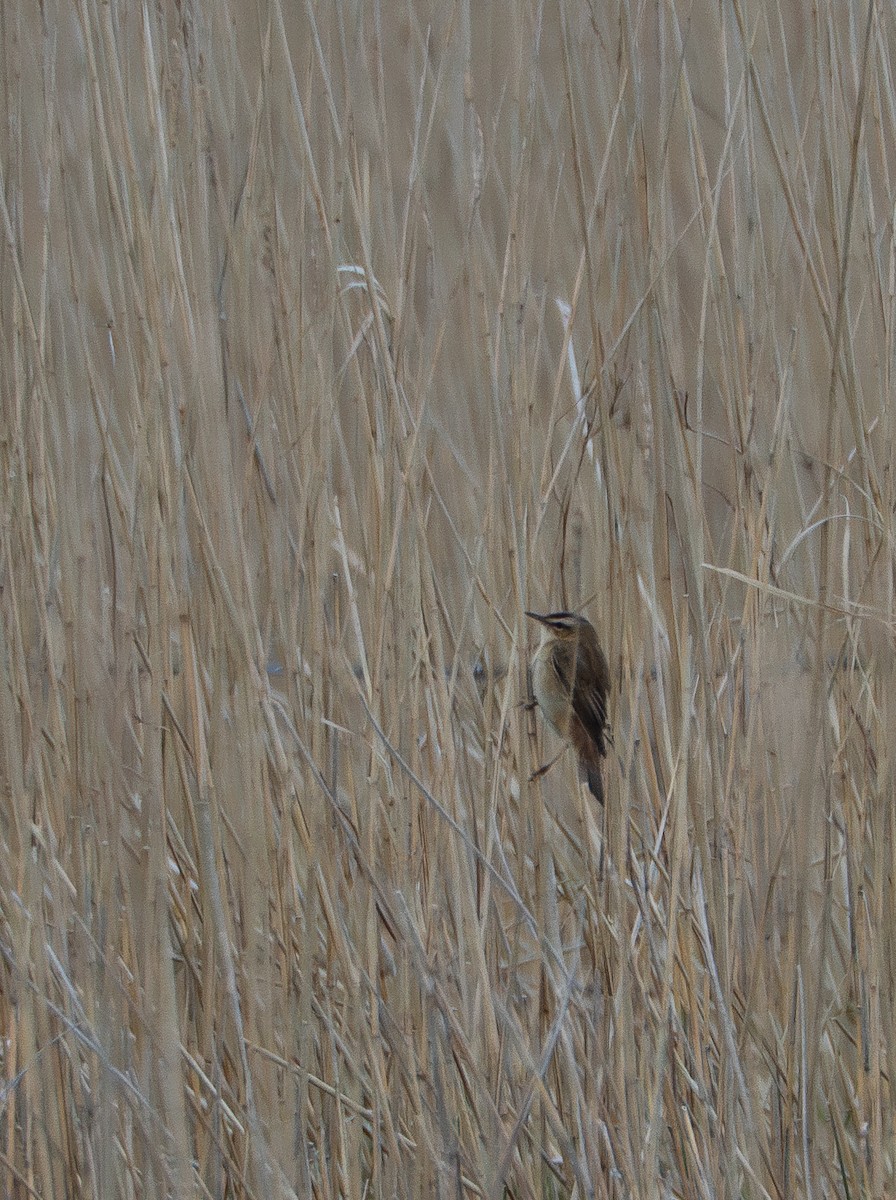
pixel 536 617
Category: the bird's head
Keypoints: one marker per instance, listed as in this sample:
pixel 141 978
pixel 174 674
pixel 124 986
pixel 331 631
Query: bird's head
pixel 561 624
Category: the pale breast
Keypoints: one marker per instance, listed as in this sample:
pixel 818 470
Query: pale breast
pixel 552 697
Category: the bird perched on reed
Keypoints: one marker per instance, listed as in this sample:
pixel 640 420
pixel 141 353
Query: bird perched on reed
pixel 571 682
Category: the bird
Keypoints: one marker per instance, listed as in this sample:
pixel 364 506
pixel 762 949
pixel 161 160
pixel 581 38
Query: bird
pixel 571 682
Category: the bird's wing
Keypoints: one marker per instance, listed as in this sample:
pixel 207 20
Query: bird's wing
pixel 591 710
pixel 588 703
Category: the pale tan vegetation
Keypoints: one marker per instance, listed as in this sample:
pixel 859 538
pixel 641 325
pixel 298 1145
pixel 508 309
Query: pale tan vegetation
pixel 287 378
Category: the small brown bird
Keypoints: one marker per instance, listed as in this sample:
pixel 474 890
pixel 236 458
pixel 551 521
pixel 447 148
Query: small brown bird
pixel 571 682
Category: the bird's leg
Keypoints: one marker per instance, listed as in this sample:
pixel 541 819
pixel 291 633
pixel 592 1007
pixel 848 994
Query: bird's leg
pixel 543 770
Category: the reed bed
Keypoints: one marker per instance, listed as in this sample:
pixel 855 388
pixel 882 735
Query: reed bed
pixel 335 336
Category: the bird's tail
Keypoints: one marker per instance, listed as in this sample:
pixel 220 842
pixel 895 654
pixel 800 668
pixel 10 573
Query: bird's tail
pixel 595 782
